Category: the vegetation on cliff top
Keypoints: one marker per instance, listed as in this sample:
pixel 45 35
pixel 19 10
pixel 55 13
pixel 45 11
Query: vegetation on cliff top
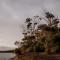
pixel 40 37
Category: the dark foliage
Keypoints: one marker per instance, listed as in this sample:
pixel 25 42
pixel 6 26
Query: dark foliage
pixel 28 19
pixel 49 15
pixel 29 25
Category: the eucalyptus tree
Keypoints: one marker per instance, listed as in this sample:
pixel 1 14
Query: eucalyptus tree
pixel 49 30
pixel 39 36
pixel 30 40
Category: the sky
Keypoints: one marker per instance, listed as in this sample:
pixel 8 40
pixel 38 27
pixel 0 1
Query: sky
pixel 14 12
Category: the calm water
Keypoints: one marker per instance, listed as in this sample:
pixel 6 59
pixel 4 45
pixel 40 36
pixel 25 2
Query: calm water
pixel 6 56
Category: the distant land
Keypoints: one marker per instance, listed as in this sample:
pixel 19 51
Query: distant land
pixel 3 48
pixel 6 49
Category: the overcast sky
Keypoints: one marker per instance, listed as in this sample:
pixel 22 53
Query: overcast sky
pixel 14 12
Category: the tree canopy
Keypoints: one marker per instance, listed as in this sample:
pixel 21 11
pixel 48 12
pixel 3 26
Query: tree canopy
pixel 41 37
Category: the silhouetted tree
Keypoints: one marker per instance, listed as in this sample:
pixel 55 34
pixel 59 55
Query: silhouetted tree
pixel 37 36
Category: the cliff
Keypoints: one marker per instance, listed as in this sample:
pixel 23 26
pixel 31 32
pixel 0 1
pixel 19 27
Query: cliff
pixel 36 56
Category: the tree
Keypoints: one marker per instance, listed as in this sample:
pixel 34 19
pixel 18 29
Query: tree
pixel 49 31
pixel 37 36
pixel 56 42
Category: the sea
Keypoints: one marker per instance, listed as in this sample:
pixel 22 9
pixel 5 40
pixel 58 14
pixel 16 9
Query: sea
pixel 6 56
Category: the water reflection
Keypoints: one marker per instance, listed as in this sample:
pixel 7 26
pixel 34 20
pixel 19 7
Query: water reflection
pixel 6 56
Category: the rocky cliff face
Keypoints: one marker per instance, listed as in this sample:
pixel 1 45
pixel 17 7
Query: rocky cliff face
pixel 36 57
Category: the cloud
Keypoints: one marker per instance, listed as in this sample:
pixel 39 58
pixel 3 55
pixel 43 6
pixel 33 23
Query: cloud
pixel 14 12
